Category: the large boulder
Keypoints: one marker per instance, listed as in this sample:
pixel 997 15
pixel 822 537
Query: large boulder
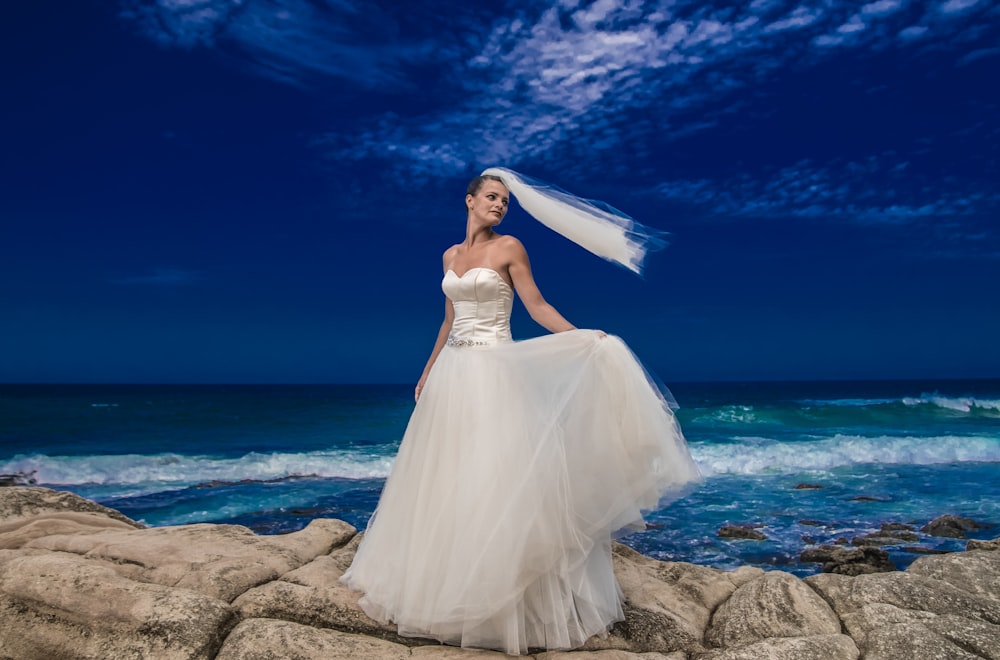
pixel 59 605
pixel 887 631
pixel 221 561
pixel 900 615
pixel 905 590
pixel 950 526
pixel 974 572
pixel 775 604
pixel 667 604
pixel 313 595
pixel 18 503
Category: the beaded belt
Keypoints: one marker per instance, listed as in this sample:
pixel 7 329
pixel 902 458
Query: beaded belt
pixel 465 342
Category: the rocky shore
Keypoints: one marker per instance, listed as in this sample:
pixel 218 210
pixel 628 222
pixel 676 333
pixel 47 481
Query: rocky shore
pixel 79 580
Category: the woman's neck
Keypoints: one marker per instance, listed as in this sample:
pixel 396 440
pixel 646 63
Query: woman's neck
pixel 477 235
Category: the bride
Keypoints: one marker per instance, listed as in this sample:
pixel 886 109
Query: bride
pixel 521 459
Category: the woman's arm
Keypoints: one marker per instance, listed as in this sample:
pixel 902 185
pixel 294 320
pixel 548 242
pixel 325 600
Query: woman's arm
pixel 519 268
pixel 442 338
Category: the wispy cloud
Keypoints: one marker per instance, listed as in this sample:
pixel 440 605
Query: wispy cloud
pixel 584 84
pixel 289 40
pixel 537 88
pixel 165 277
pixel 878 190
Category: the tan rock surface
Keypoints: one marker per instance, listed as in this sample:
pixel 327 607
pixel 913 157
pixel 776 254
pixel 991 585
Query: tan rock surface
pixel 667 605
pixel 904 590
pixel 976 572
pixel 268 639
pixel 818 647
pixel 221 561
pixel 19 503
pixel 79 582
pixel 776 604
pixel 313 595
pixel 59 605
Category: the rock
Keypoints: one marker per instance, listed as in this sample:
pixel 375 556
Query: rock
pixel 905 590
pixel 22 531
pixel 807 486
pixel 267 639
pixel 950 526
pixel 885 538
pixel 902 615
pixel 817 647
pixel 221 561
pixel 811 523
pixel 845 561
pixel 972 572
pixel 868 498
pixel 312 595
pixel 57 605
pixel 920 550
pixel 18 479
pixel 24 503
pixel 989 546
pixel 667 605
pixel 78 580
pixel 741 532
pixel 590 655
pixel 775 604
pixel 889 534
pixel 887 631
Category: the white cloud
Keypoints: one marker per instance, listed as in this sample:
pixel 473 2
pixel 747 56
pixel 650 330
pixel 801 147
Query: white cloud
pixel 956 6
pixel 882 7
pixel 842 191
pixel 567 80
pixel 913 32
pixel 799 18
pixel 853 25
pixel 285 39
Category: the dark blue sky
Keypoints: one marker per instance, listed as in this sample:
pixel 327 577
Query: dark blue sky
pixel 260 190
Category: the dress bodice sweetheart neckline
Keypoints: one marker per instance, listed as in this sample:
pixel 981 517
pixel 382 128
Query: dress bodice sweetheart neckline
pixel 478 268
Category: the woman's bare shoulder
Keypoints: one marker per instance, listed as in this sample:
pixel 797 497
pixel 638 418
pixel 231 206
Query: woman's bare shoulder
pixel 450 253
pixel 510 244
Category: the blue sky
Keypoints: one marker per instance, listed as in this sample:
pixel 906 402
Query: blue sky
pixel 260 190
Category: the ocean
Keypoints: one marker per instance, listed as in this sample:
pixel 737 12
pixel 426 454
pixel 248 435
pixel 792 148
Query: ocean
pixel 804 463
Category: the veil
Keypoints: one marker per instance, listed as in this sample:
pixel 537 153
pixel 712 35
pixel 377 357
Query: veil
pixel 594 226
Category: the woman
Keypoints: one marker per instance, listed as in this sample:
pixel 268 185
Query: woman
pixel 519 463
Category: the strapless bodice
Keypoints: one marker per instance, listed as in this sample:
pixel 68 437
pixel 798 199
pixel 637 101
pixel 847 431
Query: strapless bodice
pixel 482 301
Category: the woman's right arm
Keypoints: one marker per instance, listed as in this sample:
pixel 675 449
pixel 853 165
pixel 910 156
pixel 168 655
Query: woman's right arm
pixel 442 339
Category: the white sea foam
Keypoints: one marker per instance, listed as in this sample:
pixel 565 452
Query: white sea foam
pixel 755 455
pixel 165 470
pixel 742 455
pixel 730 415
pixel 956 403
pixel 847 403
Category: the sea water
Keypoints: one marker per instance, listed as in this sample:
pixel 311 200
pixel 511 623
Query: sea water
pixel 804 463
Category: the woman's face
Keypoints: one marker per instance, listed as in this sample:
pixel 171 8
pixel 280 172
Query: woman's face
pixel 490 202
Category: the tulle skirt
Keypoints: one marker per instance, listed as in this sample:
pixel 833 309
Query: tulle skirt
pixel 519 464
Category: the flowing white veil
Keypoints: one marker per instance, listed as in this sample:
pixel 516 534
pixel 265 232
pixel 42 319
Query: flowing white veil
pixel 594 226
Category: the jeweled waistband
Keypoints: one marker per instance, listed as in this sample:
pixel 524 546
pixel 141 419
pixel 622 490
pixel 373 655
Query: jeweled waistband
pixel 468 342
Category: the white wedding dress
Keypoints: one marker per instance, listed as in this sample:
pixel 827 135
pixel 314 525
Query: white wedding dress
pixel 520 462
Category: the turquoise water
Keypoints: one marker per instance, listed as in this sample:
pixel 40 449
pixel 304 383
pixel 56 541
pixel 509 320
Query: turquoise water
pixel 275 457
